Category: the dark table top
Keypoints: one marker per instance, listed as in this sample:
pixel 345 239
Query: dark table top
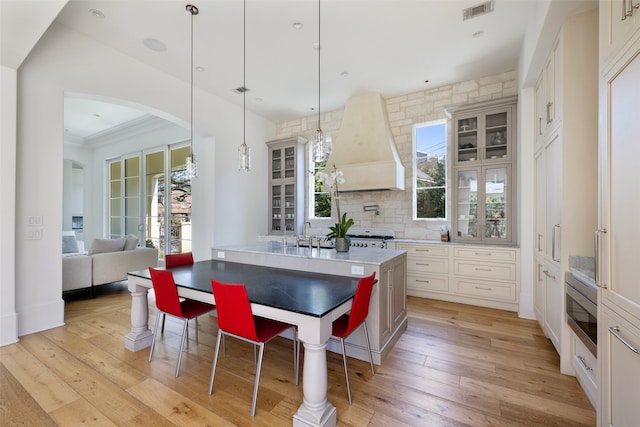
pixel 313 294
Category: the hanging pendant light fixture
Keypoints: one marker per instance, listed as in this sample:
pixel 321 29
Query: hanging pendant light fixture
pixel 319 140
pixel 244 152
pixel 192 165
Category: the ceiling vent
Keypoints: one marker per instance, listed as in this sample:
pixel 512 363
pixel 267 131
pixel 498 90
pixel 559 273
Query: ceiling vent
pixel 477 10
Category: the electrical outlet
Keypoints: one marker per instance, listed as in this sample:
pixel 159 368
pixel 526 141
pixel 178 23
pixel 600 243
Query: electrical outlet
pixel 221 254
pixel 34 234
pixel 357 270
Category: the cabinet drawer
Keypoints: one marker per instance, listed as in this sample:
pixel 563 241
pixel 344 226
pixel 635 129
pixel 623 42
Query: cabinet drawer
pixel 420 250
pixel 417 282
pixel 586 366
pixel 489 290
pixel 485 270
pixel 481 254
pixel 428 265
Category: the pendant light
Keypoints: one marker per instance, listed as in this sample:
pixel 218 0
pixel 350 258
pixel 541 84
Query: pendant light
pixel 319 140
pixel 192 165
pixel 244 152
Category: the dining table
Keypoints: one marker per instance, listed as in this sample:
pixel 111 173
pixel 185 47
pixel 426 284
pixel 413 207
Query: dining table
pixel 309 300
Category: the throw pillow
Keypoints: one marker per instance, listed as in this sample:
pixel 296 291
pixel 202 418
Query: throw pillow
pixel 69 244
pixel 132 242
pixel 100 246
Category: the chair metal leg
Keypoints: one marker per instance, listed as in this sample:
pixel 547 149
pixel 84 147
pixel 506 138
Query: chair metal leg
pixel 346 370
pixel 255 387
pixel 366 334
pixel 153 340
pixel 215 360
pixel 164 316
pixel 184 336
pixel 196 329
pixel 296 355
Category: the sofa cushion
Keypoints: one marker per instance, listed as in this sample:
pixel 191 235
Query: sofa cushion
pixel 69 244
pixel 132 242
pixel 100 246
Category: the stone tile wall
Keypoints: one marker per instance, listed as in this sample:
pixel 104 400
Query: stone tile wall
pixel 405 111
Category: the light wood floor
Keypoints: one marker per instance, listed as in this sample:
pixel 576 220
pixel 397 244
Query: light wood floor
pixel 456 365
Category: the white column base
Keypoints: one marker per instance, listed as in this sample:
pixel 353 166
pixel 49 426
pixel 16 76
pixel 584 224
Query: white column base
pixel 315 409
pixel 140 335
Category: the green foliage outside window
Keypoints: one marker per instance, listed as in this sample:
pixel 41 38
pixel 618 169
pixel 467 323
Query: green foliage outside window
pixel 322 199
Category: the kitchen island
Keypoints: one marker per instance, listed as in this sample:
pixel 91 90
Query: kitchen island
pixel 387 310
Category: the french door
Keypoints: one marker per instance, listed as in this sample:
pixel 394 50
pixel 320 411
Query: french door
pixel 150 197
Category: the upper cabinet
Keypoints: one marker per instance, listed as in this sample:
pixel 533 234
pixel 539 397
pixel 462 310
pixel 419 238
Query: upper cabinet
pixel 619 21
pixel 484 190
pixel 286 185
pixel 483 133
pixel 548 98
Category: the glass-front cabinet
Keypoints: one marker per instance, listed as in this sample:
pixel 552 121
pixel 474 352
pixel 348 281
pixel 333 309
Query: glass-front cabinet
pixel 484 190
pixel 481 136
pixel 483 204
pixel 286 185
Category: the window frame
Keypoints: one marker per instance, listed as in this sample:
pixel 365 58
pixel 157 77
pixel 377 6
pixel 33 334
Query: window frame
pixel 439 122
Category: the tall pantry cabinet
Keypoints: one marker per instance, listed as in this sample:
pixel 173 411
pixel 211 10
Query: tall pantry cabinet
pixel 566 170
pixel 619 201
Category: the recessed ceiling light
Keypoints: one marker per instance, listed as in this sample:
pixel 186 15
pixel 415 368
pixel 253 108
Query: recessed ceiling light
pixel 96 13
pixel 478 34
pixel 154 45
pixel 297 25
pixel 96 115
pixel 258 99
pixel 344 74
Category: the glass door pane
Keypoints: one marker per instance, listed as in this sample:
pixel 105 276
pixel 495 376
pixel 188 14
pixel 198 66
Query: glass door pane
pixel 132 196
pixel 115 199
pixel 276 164
pixel 155 201
pixel 496 203
pixel 496 136
pixel 467 150
pixel 276 208
pixel 467 203
pixel 180 202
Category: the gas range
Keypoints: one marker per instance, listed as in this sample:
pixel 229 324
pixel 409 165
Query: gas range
pixel 369 237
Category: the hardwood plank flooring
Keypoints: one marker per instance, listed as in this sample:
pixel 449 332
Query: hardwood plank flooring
pixel 456 365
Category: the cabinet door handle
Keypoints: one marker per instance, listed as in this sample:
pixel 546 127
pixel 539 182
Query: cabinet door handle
pixel 551 276
pixel 422 263
pixel 584 363
pixel 484 288
pixel 483 269
pixel 553 242
pixel 539 242
pixel 615 330
pixel 539 125
pixel 624 10
pixel 596 243
pixel 549 104
pixel 483 253
pixel 422 281
pixel 422 250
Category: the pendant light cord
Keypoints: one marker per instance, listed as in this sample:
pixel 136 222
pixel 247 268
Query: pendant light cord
pixel 194 11
pixel 319 65
pixel 244 72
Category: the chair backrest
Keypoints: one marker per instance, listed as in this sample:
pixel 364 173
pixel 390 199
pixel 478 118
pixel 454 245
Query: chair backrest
pixel 164 287
pixel 360 305
pixel 234 309
pixel 171 260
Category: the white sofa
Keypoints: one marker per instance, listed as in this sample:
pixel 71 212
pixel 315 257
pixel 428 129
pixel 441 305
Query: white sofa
pixel 107 261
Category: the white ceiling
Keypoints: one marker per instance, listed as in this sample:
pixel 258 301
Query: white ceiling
pixel 390 47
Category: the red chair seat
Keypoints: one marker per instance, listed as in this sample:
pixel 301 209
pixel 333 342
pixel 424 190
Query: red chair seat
pixel 341 327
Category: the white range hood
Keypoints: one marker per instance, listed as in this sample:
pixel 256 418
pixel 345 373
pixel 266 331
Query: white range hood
pixel 365 150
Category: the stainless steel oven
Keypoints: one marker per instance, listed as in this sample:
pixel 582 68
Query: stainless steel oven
pixel 582 311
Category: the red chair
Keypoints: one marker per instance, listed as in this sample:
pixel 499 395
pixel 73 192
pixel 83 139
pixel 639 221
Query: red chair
pixel 347 323
pixel 168 302
pixel 171 260
pixel 236 319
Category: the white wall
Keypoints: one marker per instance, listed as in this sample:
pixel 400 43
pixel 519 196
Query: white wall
pixel 64 61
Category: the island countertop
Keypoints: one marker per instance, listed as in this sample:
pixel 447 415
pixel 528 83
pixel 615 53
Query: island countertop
pixel 354 255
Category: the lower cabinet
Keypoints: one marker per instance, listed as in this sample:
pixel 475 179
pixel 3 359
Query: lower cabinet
pixel 619 357
pixel 554 300
pixel 393 297
pixel 469 274
pixel 586 367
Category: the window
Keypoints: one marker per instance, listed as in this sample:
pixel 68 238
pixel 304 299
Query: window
pixel 320 200
pixel 430 179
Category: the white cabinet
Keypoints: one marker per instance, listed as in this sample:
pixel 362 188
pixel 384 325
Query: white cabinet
pixel 619 21
pixel 566 165
pixel 619 364
pixel 286 185
pixel 586 367
pixel 619 314
pixel 470 274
